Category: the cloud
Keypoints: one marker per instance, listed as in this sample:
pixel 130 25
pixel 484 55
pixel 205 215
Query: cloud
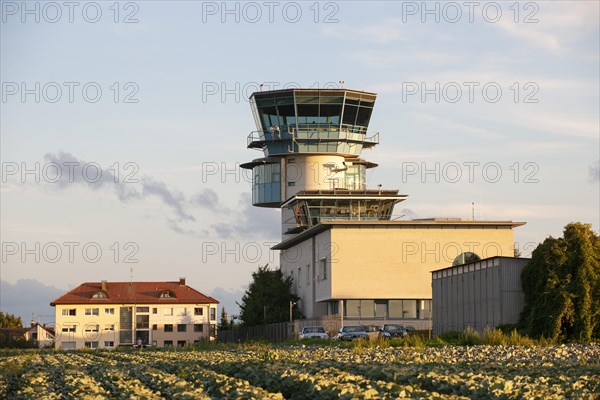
pixel 553 25
pixel 384 32
pixel 594 172
pixel 29 298
pixel 242 221
pixel 175 200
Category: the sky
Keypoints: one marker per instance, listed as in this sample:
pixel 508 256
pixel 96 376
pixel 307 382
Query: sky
pixel 123 125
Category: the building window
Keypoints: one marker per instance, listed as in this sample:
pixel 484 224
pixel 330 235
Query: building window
pixel 167 294
pixel 142 321
pixel 181 311
pixel 109 344
pixel 155 311
pixel 154 327
pixel 168 327
pixel 92 311
pixel 425 309
pixel 109 327
pixel 168 343
pixel 198 311
pixel 181 327
pixel 323 268
pixel 197 327
pixel 291 184
pixel 110 311
pixel 381 309
pixel 142 309
pixel 69 328
pixel 402 308
pixel 181 343
pixel 92 328
pixel 69 312
pixel 91 345
pixel 99 295
pixel 352 308
pixel 168 311
pixel 213 314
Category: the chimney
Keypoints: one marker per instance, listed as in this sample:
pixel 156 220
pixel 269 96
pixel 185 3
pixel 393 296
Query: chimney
pixel 104 285
pixel 181 281
pixel 32 322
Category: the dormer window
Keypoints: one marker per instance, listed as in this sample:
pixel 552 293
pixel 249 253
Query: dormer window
pixel 100 295
pixel 167 294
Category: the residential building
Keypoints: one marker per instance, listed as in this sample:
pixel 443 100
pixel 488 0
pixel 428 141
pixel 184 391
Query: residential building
pixel 111 314
pixel 346 253
pixel 40 334
pixel 479 294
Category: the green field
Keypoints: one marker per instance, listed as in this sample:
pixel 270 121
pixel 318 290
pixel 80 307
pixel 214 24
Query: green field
pixel 304 372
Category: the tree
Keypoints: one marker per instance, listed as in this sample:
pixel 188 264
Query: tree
pixel 224 322
pixel 10 321
pixel 268 298
pixel 561 286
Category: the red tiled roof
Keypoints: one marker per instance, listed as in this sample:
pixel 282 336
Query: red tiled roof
pixel 133 293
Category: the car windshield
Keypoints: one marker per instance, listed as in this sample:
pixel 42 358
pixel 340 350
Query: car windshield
pixel 314 329
pixel 353 329
pixel 393 328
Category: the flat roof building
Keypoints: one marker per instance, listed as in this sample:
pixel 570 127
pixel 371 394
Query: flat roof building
pixel 346 254
pixel 479 294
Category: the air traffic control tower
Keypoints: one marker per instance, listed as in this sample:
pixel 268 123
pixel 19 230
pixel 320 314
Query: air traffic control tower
pixel 345 254
pixel 312 141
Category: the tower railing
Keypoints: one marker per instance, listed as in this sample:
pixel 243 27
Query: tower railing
pixel 313 132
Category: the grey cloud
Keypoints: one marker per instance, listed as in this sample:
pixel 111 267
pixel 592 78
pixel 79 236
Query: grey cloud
pixel 246 220
pixel 27 298
pixel 175 200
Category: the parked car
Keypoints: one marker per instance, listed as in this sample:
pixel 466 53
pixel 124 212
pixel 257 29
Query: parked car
pixel 372 331
pixel 352 333
pixel 388 331
pixel 313 332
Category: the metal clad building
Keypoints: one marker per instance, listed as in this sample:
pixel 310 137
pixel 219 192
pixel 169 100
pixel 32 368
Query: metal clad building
pixel 477 294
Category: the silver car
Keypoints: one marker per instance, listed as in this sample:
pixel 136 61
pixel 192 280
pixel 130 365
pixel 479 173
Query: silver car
pixel 313 332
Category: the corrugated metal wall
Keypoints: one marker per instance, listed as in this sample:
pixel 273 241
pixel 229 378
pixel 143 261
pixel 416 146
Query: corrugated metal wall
pixel 479 294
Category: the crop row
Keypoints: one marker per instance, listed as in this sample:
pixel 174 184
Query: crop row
pixel 304 372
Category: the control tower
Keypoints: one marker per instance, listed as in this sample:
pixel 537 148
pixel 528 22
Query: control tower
pixel 311 168
pixel 345 255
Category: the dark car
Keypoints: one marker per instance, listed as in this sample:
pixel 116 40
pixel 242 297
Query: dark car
pixel 352 333
pixel 388 331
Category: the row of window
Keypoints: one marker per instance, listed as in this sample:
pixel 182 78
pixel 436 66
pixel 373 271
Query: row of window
pixel 180 327
pixel 111 344
pixel 180 311
pixel 111 327
pixel 384 309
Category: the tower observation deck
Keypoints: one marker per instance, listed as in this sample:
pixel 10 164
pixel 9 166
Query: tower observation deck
pixel 311 168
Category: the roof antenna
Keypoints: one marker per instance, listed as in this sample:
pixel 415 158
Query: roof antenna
pixel 341 84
